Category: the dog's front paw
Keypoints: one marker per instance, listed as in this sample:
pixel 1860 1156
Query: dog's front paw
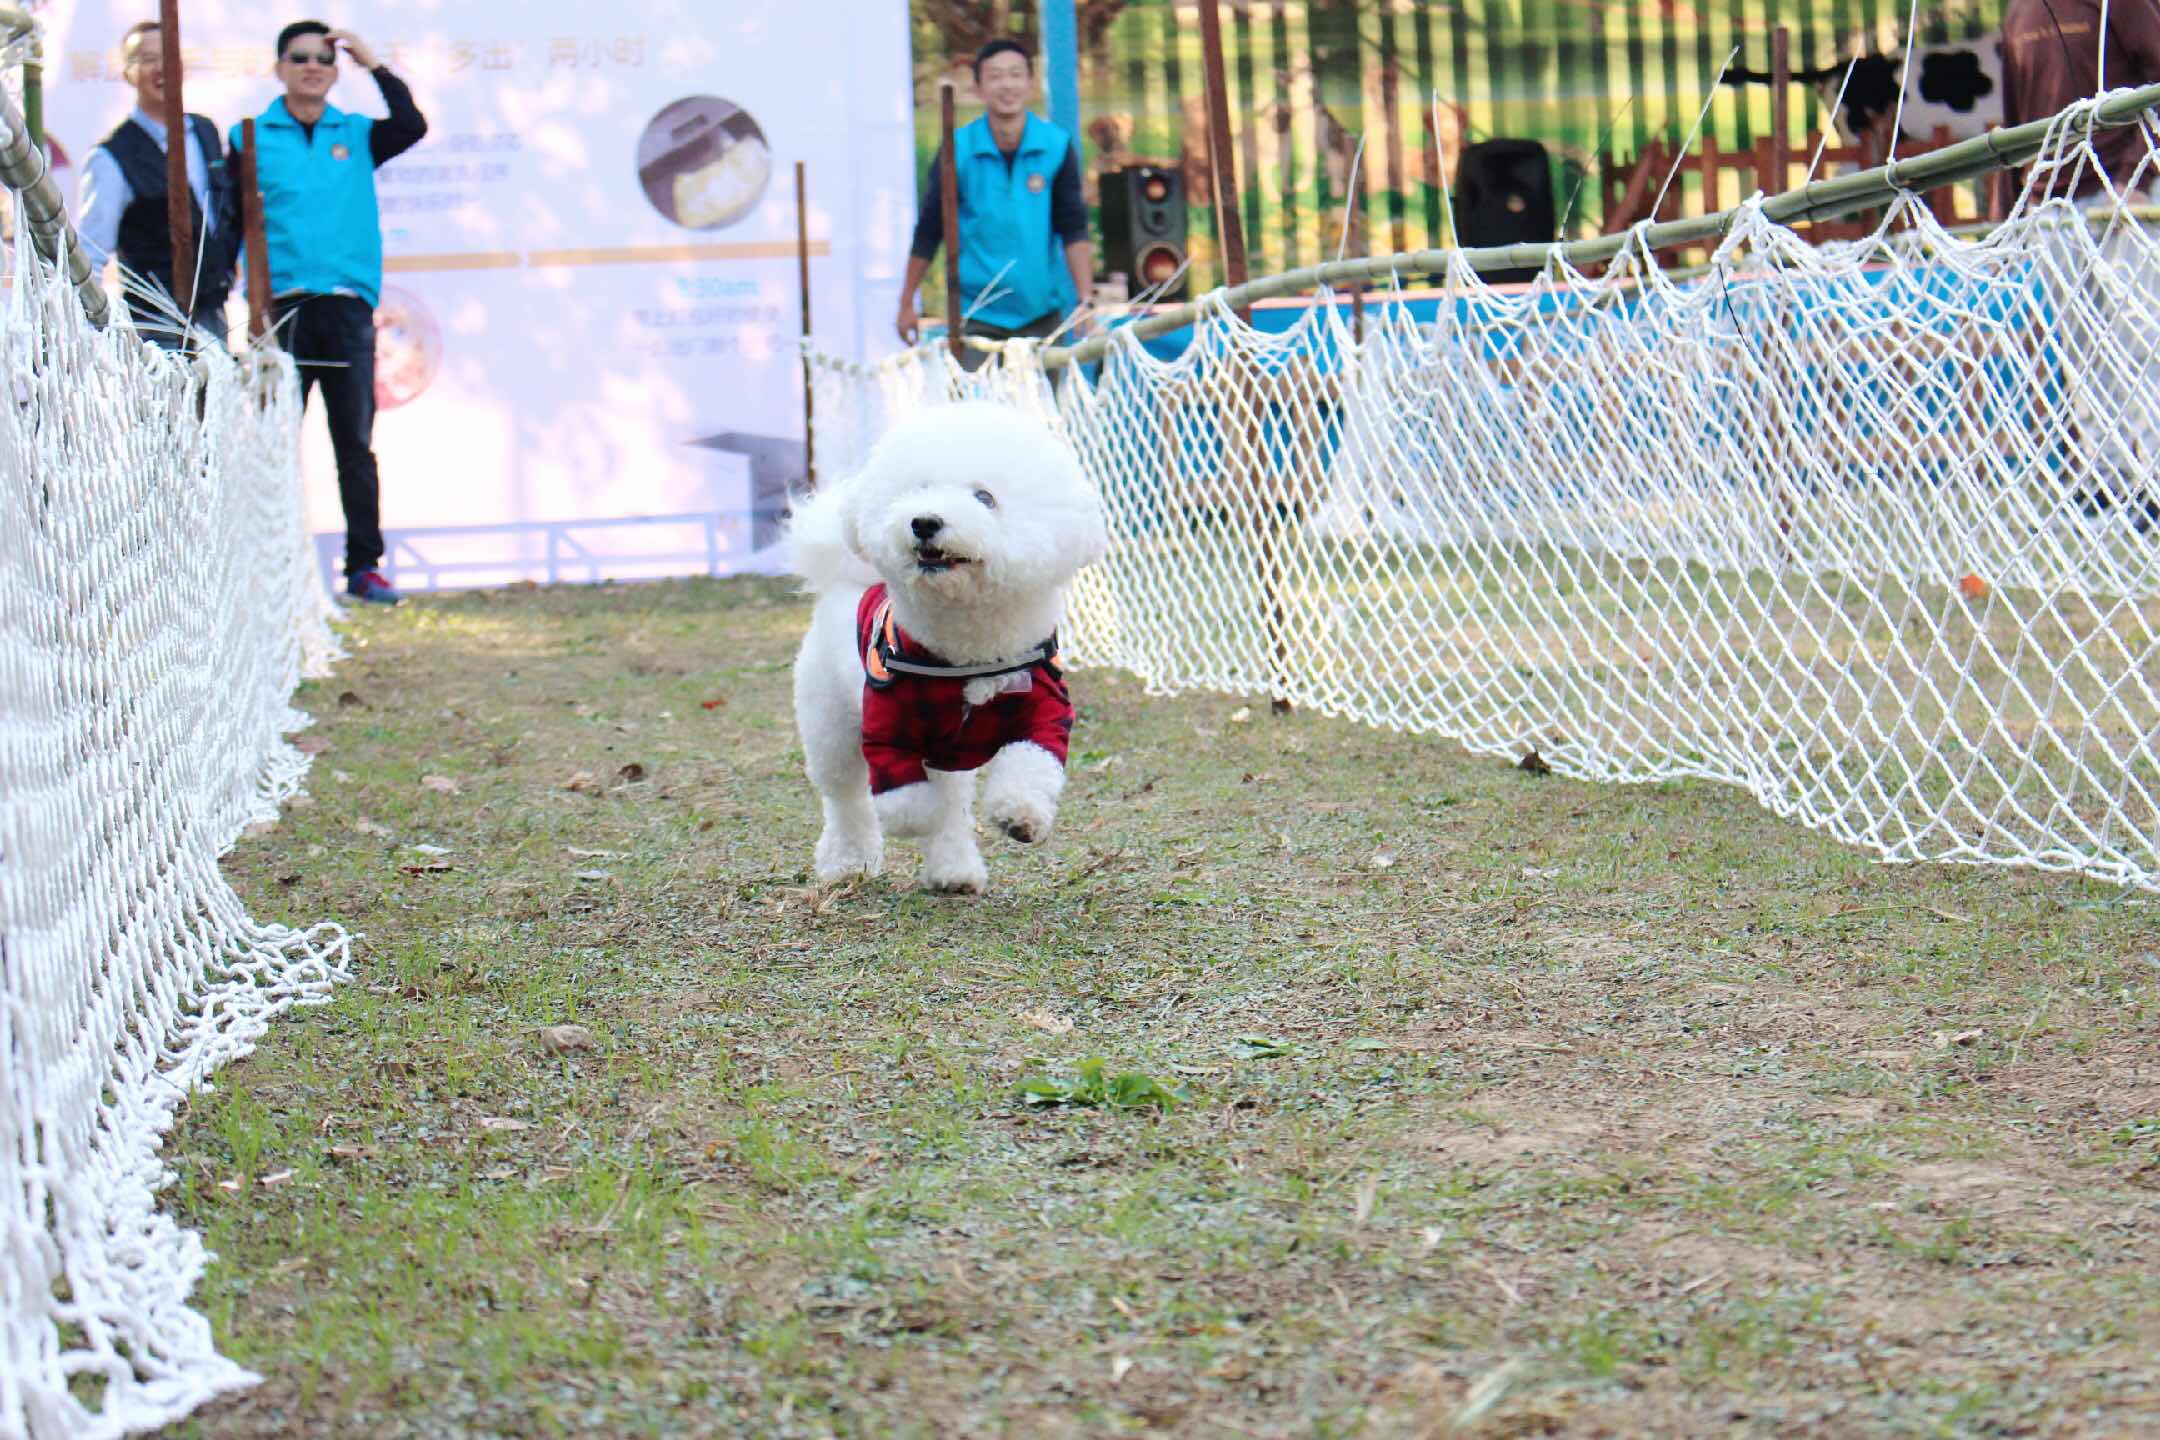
pixel 953 866
pixel 1021 817
pixel 841 856
pixel 1020 792
pixel 971 879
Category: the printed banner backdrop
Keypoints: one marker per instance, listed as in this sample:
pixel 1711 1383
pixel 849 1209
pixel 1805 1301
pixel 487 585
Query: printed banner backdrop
pixel 587 365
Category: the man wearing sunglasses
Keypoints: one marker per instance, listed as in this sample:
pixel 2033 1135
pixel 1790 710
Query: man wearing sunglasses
pixel 123 207
pixel 315 165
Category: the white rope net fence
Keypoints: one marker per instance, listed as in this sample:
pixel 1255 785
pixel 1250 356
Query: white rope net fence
pixel 1871 530
pixel 158 606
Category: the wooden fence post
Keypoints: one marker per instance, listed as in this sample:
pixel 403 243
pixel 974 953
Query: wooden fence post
pixel 179 196
pixel 251 232
pixel 949 203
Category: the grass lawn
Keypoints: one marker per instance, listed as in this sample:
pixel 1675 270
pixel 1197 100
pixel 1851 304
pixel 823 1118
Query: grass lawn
pixel 1496 1103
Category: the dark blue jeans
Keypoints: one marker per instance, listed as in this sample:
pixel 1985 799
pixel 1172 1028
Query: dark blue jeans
pixel 332 339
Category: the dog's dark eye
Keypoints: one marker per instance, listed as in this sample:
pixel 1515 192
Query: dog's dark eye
pixel 989 501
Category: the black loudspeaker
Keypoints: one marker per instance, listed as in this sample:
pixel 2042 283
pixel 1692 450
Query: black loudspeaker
pixel 1143 225
pixel 1504 196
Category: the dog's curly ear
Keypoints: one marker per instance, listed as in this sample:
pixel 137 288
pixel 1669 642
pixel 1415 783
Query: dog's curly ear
pixel 851 507
pixel 1091 539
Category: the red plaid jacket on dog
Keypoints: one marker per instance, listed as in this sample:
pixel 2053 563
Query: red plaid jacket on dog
pixel 912 719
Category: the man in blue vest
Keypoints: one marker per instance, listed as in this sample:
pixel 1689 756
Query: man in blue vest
pixel 316 167
pixel 1025 255
pixel 123 209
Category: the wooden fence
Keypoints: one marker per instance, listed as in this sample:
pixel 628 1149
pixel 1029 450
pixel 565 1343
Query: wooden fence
pixel 1611 87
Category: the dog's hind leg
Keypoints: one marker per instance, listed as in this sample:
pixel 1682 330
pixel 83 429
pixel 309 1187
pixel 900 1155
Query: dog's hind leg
pixel 1021 785
pixel 828 713
pixel 912 810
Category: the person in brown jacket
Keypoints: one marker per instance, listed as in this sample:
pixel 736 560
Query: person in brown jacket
pixel 2052 57
pixel 2103 263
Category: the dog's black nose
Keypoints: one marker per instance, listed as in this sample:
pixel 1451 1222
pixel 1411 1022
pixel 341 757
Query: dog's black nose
pixel 927 526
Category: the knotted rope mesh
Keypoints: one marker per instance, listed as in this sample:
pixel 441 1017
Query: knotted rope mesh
pixel 158 606
pixel 1868 529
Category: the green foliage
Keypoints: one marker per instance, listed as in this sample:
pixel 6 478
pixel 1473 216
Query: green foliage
pixel 1091 1083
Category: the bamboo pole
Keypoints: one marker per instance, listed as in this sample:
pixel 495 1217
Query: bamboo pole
pixel 949 203
pixel 33 94
pixel 802 271
pixel 1818 200
pixel 16 22
pixel 24 170
pixel 252 234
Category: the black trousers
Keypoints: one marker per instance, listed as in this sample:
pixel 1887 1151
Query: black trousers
pixel 332 338
pixel 164 332
pixel 1036 329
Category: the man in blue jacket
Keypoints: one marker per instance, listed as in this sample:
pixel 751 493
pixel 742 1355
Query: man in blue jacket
pixel 1025 255
pixel 316 167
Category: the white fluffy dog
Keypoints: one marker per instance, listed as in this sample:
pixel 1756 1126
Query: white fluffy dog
pixel 941 571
